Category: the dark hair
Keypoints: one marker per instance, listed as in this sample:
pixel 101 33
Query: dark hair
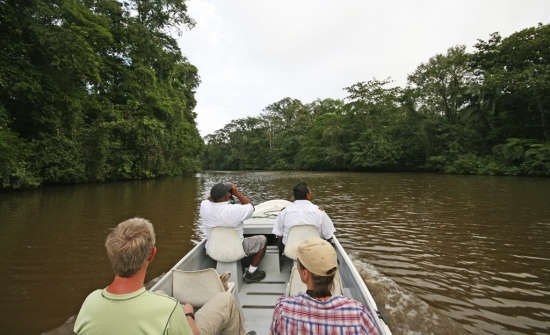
pixel 300 191
pixel 321 284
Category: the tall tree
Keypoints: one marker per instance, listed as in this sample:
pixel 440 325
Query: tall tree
pixel 442 84
pixel 94 90
pixel 457 115
pixel 515 73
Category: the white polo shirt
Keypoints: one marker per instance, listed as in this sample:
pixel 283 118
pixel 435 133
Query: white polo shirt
pixel 303 212
pixel 223 214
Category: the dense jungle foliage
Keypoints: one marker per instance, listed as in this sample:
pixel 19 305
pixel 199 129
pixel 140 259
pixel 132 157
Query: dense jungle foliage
pixel 485 112
pixel 94 90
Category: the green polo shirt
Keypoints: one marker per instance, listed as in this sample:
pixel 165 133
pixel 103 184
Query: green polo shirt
pixel 139 312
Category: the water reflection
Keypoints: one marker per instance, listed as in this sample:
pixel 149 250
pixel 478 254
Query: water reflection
pixel 474 248
pixel 437 251
pixel 52 240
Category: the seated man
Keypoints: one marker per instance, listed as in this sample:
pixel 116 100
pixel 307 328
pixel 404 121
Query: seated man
pixel 126 307
pixel 317 312
pixel 217 211
pixel 301 212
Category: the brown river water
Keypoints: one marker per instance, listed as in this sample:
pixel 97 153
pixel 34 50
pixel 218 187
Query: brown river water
pixel 441 254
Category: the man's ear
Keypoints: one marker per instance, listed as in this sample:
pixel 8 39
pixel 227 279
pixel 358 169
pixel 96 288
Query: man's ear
pixel 152 254
pixel 304 274
pixel 308 196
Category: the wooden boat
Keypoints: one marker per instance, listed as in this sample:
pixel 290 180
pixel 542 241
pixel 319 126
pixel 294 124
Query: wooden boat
pixel 257 300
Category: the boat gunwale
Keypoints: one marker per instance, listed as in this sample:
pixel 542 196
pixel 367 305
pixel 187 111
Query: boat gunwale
pixel 372 306
pixel 188 255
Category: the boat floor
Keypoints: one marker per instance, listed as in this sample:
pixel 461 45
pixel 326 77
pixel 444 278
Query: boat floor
pixel 257 300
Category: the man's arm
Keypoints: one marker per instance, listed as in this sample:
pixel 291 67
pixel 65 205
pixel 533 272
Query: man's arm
pixel 278 225
pixel 244 210
pixel 190 316
pixel 275 321
pixel 244 200
pixel 327 227
pixel 179 323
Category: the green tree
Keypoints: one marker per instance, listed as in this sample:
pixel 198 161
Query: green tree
pixel 470 113
pixel 95 90
pixel 442 84
pixel 515 75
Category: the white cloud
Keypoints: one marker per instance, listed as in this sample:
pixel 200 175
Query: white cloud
pixel 253 53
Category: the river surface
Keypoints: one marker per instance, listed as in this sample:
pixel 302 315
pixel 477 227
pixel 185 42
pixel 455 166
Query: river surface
pixel 441 254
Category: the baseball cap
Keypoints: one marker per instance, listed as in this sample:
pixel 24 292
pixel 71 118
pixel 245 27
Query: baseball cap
pixel 318 257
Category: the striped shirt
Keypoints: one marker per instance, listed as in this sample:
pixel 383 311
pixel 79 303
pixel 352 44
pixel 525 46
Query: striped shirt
pixel 338 315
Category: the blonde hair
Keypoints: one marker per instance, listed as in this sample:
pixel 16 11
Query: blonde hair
pixel 129 245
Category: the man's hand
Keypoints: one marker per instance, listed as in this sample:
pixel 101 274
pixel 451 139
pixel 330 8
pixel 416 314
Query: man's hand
pixel 188 308
pixel 244 200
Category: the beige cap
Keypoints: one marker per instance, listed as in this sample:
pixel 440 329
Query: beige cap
pixel 318 256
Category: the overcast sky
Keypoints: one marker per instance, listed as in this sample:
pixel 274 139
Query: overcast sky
pixel 256 52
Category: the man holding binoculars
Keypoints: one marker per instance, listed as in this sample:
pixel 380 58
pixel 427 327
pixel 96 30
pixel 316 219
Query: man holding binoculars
pixel 218 211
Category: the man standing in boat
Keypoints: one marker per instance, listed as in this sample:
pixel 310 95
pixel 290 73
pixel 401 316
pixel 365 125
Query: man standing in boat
pixel 217 211
pixel 317 311
pixel 126 307
pixel 303 212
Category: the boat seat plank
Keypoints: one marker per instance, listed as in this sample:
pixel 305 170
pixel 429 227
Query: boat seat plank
pixel 261 294
pixel 258 301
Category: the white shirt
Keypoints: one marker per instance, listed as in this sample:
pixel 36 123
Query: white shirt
pixel 303 212
pixel 223 214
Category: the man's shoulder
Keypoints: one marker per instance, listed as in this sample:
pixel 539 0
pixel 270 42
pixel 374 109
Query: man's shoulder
pixel 95 294
pixel 284 299
pixel 142 296
pixel 304 204
pixel 240 207
pixel 161 297
pixel 290 301
pixel 299 205
pixel 205 204
pixel 341 301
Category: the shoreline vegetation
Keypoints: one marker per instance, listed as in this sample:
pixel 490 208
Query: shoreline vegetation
pixel 483 113
pixel 98 91
pixel 95 91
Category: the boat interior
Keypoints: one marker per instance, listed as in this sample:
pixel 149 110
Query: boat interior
pixel 193 280
pixel 257 300
pixel 196 277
